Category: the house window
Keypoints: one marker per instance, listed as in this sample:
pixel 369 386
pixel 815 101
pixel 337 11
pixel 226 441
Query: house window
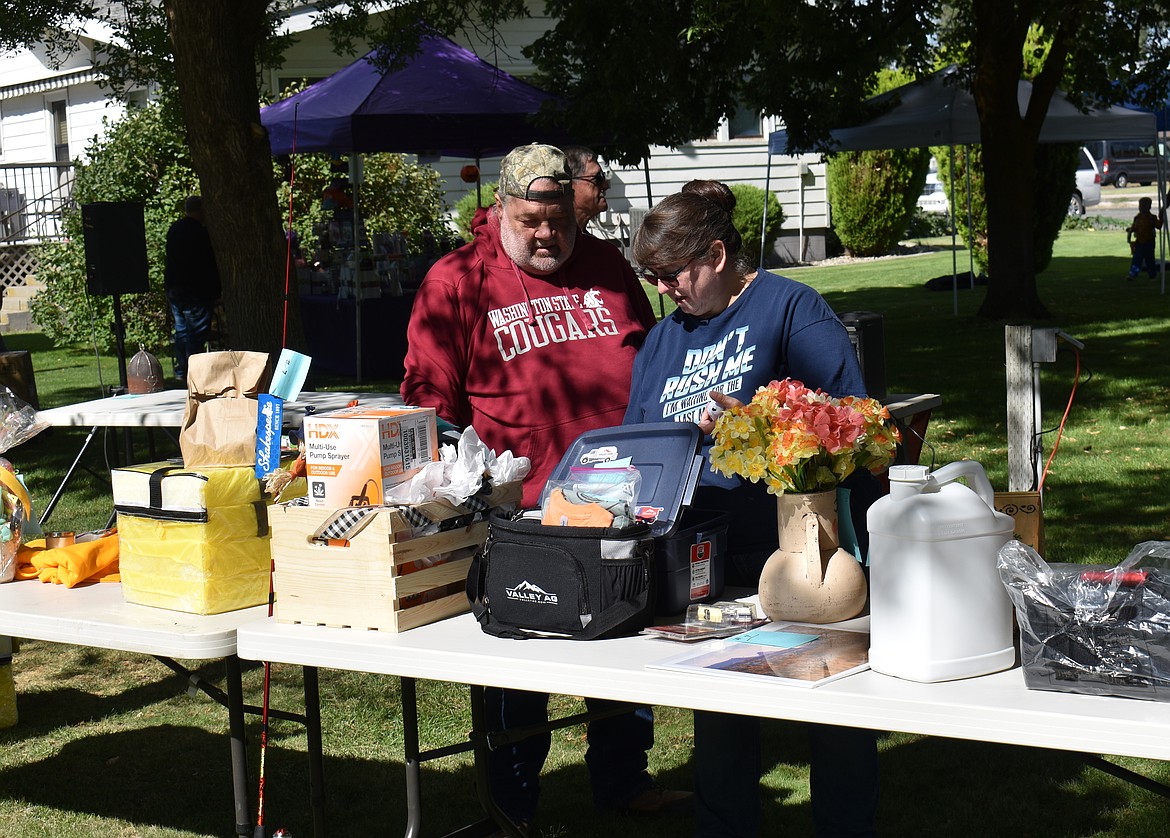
pixel 744 123
pixel 60 132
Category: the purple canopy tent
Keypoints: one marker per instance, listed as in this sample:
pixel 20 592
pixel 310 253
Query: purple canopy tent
pixel 445 101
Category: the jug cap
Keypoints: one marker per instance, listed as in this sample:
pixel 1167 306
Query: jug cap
pixel 909 474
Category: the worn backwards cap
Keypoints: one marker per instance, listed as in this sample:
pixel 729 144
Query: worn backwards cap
pixel 527 164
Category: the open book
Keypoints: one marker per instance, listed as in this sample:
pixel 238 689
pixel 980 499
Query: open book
pixel 790 653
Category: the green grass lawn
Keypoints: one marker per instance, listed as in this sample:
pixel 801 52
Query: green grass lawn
pixel 110 744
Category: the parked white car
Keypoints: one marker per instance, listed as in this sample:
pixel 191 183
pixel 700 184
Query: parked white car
pixel 1088 190
pixel 1086 194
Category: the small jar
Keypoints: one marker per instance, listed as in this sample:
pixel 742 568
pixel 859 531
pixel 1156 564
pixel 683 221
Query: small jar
pixel 59 539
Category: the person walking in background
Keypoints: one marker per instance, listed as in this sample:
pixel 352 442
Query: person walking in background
pixel 191 282
pixel 528 334
pixel 589 184
pixel 1141 235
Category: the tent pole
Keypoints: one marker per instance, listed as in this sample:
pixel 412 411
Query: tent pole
pixel 649 204
pixel 357 263
pixel 646 171
pixel 764 223
pixel 954 237
pixel 970 250
pixel 478 182
pixel 1162 234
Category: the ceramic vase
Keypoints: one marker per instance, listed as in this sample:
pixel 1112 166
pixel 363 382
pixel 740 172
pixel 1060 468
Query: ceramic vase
pixel 810 578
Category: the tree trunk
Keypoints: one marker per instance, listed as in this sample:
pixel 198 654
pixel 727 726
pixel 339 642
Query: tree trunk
pixel 1009 146
pixel 214 43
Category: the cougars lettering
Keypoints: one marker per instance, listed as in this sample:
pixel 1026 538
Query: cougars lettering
pixel 519 329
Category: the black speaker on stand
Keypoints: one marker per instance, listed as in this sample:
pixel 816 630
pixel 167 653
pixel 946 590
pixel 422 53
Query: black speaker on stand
pixel 115 259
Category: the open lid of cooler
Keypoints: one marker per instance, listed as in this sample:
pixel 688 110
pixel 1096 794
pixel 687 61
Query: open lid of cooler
pixel 666 454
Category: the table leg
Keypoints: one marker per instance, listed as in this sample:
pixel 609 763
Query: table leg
pixel 316 759
pixel 411 757
pixel 69 474
pixel 235 708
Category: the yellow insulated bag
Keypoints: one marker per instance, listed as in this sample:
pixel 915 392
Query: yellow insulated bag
pixel 192 540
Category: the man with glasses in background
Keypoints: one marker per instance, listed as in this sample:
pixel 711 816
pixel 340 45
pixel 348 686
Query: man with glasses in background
pixel 528 334
pixel 590 184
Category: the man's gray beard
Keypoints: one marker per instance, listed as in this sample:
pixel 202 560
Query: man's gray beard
pixel 518 251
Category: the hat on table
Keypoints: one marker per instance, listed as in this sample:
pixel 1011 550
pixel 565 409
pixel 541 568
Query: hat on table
pixel 525 165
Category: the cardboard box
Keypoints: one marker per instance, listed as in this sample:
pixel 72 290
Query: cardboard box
pixel 385 576
pixel 353 455
pixel 193 540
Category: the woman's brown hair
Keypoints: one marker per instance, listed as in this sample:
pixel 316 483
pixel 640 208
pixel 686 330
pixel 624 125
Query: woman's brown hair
pixel 685 224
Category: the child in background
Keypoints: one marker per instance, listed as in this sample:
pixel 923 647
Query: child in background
pixel 1140 236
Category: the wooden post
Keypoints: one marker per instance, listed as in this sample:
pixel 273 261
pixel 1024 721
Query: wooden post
pixel 1024 450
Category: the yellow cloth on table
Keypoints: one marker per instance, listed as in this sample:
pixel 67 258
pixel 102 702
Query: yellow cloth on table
pixel 72 565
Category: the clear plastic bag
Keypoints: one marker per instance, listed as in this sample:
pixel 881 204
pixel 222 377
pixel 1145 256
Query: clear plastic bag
pixel 594 497
pixel 18 421
pixel 1093 628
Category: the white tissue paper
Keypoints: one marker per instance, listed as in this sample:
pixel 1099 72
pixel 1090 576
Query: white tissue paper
pixel 459 472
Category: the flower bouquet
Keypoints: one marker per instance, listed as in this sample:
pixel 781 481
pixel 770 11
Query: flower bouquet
pixel 801 440
pixel 802 443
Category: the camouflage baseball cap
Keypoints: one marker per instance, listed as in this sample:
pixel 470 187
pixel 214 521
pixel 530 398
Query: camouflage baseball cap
pixel 525 165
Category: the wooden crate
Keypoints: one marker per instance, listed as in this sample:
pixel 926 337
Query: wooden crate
pixel 383 579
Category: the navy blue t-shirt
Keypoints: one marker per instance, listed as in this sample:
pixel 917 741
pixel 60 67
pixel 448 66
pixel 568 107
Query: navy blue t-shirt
pixel 776 329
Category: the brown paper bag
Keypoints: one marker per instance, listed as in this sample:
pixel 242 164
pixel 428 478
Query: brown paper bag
pixel 219 421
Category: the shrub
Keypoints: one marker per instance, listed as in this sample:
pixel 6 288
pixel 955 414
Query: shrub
pixel 873 195
pixel 465 207
pixel 928 225
pixel 396 196
pixel 749 219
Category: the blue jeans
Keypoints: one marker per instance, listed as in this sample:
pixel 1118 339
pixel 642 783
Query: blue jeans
pixel 616 756
pixel 192 325
pixel 843 778
pixel 1143 257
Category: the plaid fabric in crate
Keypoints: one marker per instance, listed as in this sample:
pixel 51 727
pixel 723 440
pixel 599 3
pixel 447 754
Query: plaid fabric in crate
pixel 1093 629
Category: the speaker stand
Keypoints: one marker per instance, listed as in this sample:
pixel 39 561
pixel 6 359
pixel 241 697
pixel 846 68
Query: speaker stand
pixel 120 342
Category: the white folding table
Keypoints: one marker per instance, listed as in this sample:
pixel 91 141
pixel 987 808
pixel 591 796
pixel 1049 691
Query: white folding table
pixel 96 615
pixel 164 409
pixel 992 708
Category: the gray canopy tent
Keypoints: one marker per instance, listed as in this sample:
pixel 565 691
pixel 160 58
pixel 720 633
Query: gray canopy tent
pixel 938 110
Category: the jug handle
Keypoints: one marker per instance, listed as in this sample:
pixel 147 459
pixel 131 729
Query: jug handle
pixel 976 478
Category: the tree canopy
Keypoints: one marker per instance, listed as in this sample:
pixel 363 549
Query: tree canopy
pixel 643 72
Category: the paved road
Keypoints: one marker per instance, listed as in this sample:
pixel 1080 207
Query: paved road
pixel 1122 203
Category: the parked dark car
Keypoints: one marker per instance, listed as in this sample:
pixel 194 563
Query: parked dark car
pixel 1123 162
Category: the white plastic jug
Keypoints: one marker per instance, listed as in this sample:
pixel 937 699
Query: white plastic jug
pixel 938 610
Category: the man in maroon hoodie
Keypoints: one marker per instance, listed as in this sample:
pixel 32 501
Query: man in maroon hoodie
pixel 528 334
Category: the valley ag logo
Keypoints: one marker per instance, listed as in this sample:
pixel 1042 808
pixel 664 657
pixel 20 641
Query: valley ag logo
pixel 527 592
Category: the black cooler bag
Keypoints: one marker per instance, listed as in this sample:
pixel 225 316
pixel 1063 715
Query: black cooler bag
pixel 533 580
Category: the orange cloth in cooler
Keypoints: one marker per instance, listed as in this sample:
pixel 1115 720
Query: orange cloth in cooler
pixel 561 512
pixel 72 565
